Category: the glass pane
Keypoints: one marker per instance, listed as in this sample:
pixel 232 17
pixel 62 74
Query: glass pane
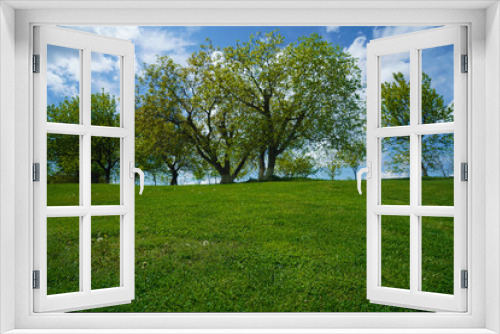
pixel 395 173
pixel 395 89
pixel 105 171
pixel 63 85
pixel 63 255
pixel 437 254
pixel 63 170
pixel 105 89
pixel 437 84
pixel 396 251
pixel 105 252
pixel 437 169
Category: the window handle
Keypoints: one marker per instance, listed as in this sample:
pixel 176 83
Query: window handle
pixel 139 171
pixel 368 171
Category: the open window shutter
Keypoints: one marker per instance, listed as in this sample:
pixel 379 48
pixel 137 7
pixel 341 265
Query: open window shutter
pixel 83 294
pixel 414 295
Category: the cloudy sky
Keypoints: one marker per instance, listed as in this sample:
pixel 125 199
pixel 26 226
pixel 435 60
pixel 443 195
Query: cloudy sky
pixel 180 42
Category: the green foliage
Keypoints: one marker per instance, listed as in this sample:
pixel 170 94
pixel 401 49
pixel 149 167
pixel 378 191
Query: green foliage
pixel 437 150
pixel 197 113
pixel 161 148
pixel 292 165
pixel 272 247
pixel 330 162
pixel 296 92
pixel 353 155
pixel 254 100
pixel 63 154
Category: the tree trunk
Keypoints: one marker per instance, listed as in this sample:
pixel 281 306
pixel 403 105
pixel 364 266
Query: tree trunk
pixel 94 176
pixel 175 176
pixel 262 165
pixel 107 176
pixel 424 170
pixel 226 178
pixel 355 170
pixel 271 163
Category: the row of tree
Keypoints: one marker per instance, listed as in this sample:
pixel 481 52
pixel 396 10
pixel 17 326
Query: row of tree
pixel 252 107
pixel 243 106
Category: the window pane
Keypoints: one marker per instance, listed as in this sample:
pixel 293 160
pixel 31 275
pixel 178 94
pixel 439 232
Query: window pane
pixel 63 170
pixel 437 169
pixel 63 85
pixel 437 254
pixel 437 84
pixel 105 252
pixel 395 89
pixel 105 86
pixel 396 251
pixel 63 255
pixel 105 171
pixel 395 173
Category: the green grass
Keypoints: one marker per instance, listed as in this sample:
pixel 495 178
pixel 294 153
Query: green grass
pixel 255 247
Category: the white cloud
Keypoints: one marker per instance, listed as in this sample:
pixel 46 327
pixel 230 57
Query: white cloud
pixel 104 63
pixel 60 86
pixel 399 62
pixel 381 32
pixel 217 57
pixel 63 71
pixel 123 32
pixel 332 29
pixel 358 50
pixel 390 63
pixel 151 41
pixel 160 42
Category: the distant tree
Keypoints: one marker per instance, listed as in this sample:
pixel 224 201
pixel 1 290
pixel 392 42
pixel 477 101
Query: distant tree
pixel 105 152
pixel 353 155
pixel 153 166
pixel 333 166
pixel 294 165
pixel 436 149
pixel 161 146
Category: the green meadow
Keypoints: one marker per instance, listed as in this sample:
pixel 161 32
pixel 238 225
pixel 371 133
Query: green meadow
pixel 289 246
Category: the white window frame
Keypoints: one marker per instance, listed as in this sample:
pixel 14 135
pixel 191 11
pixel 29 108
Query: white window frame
pixel 483 212
pixel 86 44
pixel 414 43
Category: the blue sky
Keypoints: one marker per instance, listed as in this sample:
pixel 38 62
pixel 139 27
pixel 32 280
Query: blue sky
pixel 180 42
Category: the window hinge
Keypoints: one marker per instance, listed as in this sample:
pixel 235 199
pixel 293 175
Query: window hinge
pixel 36 279
pixel 36 172
pixel 36 63
pixel 464 169
pixel 465 279
pixel 465 64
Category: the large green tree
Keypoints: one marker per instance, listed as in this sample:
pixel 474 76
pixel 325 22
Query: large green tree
pixel 437 150
pixel 213 124
pixel 293 93
pixel 62 155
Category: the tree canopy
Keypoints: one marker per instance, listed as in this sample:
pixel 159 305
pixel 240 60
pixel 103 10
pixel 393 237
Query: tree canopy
pixel 293 93
pixel 437 150
pixel 63 159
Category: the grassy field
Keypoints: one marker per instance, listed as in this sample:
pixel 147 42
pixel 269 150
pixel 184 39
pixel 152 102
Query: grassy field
pixel 253 247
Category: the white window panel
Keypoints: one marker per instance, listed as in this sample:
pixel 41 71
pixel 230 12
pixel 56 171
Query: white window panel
pixel 85 297
pixel 415 297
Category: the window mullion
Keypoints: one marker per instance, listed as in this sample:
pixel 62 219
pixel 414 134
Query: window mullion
pixel 85 242
pixel 415 251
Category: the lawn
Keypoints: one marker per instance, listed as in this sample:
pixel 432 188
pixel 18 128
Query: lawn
pixel 252 247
